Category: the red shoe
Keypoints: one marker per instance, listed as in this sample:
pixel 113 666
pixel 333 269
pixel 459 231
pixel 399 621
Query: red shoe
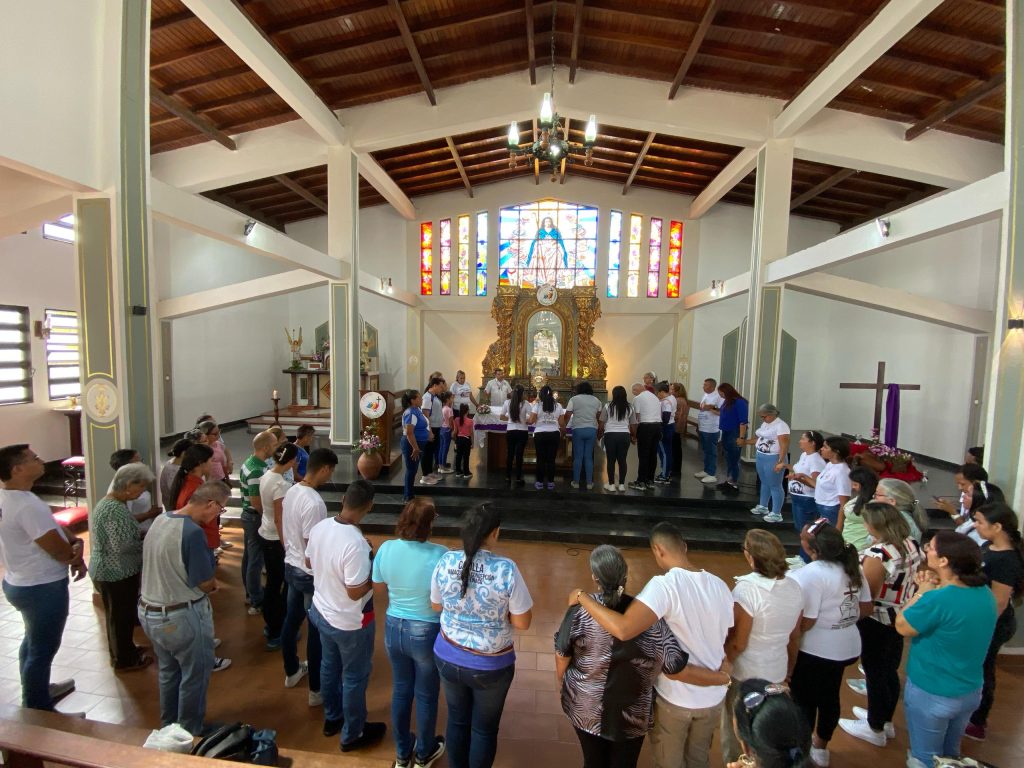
pixel 976 732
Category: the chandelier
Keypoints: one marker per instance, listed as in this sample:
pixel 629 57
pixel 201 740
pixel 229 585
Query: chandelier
pixel 552 145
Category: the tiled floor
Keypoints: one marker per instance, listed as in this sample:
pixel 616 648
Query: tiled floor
pixel 533 731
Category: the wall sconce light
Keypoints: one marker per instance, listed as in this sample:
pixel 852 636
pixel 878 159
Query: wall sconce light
pixel 1015 324
pixel 717 288
pixel 883 226
pixel 386 286
pixel 250 225
pixel 390 288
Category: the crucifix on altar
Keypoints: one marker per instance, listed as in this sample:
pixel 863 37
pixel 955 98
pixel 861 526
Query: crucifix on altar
pixel 880 386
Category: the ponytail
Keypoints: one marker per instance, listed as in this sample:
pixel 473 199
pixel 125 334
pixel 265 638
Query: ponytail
pixel 516 403
pixel 1001 514
pixel 195 456
pixel 547 399
pixel 828 544
pixel 609 569
pixel 477 525
pixel 463 411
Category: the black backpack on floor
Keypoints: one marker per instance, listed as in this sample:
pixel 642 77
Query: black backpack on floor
pixel 240 743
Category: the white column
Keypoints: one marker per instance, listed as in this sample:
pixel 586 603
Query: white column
pixel 345 329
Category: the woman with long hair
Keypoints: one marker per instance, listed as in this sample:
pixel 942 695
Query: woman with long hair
pixel 771 728
pixel 901 495
pixel 547 431
pixel 405 565
pixel 836 595
pixel 863 484
pixel 481 597
pixel 832 486
pixel 951 620
pixel 978 494
pixel 618 426
pixel 678 391
pixel 415 434
pixel 890 565
pixel 583 408
pixel 1002 559
pixel 515 412
pixel 273 487
pixel 462 427
pixel 801 481
pixel 733 420
pixel 222 465
pixel 192 472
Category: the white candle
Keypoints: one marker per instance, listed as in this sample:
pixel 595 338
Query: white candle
pixel 274 396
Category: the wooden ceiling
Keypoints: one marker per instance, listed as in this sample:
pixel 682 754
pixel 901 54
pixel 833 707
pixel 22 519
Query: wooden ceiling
pixel 622 156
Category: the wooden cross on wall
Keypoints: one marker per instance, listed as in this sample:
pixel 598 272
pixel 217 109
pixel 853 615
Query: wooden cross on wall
pixel 879 386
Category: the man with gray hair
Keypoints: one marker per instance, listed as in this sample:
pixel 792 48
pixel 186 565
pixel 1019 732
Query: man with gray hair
pixel 174 610
pixel 647 408
pixel 649 379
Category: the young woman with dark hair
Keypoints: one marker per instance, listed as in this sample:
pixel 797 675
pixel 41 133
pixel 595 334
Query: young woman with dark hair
pixel 405 566
pixel 1002 559
pixel 835 596
pixel 801 493
pixel 832 486
pixel 547 431
pixel 863 484
pixel 770 727
pixel 192 472
pixel 415 435
pixel 481 597
pixel 966 476
pixel 733 420
pixel 618 425
pixel 273 487
pixel 951 620
pixel 462 427
pixel 514 412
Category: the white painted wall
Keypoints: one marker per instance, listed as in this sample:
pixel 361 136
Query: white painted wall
pixel 710 323
pixel 38 274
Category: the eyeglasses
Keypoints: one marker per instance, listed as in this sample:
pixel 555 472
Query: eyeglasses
pixel 755 699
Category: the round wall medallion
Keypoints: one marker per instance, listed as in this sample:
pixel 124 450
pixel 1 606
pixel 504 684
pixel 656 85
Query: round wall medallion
pixel 101 400
pixel 547 295
pixel 372 405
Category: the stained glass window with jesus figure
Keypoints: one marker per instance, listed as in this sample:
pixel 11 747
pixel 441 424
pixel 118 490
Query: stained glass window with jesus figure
pixel 547 242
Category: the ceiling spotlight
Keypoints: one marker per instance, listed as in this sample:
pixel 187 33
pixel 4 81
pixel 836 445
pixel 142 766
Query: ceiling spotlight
pixel 883 227
pixel 250 225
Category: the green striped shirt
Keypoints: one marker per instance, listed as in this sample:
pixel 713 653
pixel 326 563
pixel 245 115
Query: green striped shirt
pixel 249 481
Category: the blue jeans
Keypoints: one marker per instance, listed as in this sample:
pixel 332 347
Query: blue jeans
pixel 668 431
pixel 442 449
pixel 410 647
pixel 709 446
pixel 804 511
pixel 936 723
pixel 476 698
pixel 410 468
pixel 344 673
pixel 183 642
pixel 252 558
pixel 829 511
pixel 771 481
pixel 732 454
pixel 300 598
pixel 583 441
pixel 44 611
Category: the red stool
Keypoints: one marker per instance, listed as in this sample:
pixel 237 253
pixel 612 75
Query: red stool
pixel 72 517
pixel 74 470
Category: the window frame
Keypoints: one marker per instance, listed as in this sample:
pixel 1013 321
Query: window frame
pixel 26 347
pixel 47 314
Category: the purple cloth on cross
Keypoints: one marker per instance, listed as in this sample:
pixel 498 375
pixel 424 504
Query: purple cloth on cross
pixel 892 416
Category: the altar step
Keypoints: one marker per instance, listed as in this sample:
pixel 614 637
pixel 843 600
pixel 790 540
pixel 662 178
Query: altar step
pixel 291 419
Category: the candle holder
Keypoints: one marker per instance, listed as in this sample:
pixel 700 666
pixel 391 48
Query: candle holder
pixel 277 413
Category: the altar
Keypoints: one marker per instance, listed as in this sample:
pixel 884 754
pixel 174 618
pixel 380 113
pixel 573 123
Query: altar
pixel 490 431
pixel 313 386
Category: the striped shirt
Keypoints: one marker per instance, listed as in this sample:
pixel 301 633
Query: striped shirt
pixel 249 481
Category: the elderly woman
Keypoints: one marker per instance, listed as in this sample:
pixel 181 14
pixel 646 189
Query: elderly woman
pixel 771 727
pixel 901 495
pixel 115 563
pixel 772 441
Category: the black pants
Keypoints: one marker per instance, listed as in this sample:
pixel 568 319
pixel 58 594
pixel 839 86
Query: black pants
pixel 121 614
pixel 1006 628
pixel 677 454
pixel 428 451
pixel 515 442
pixel 815 688
pixel 602 753
pixel 463 445
pixel 546 444
pixel 616 446
pixel 648 435
pixel 276 592
pixel 881 652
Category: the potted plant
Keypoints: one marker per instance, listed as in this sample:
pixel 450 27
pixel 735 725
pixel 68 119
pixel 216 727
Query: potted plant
pixel 370 461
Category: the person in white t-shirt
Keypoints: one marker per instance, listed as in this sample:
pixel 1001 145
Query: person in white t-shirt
pixel 340 558
pixel 301 510
pixel 498 390
pixel 698 608
pixel 668 431
pixel 273 487
pixel 832 487
pixel 647 408
pixel 708 431
pixel 36 554
pixel 618 424
pixel 547 432
pixel 802 476
pixel 462 393
pixel 836 595
pixel 772 450
pixel 515 412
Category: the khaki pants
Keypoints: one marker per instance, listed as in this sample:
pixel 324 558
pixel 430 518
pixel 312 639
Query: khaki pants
pixel 682 737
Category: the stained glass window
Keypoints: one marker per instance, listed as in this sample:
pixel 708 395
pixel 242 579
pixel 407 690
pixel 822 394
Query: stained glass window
pixel 481 253
pixel 464 255
pixel 654 260
pixel 446 257
pixel 547 242
pixel 675 259
pixel 426 258
pixel 614 251
pixel 636 223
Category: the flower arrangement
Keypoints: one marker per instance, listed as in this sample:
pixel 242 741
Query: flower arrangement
pixel 369 443
pixel 897 459
pixel 484 408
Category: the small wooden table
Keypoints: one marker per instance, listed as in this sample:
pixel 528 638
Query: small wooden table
pixel 312 385
pixel 74 427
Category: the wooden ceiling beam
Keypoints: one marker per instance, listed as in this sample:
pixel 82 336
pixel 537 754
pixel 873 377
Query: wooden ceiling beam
pixel 410 46
pixel 840 175
pixel 458 164
pixel 245 210
pixel 994 42
pixel 184 55
pixel 202 124
pixel 180 86
pixel 901 52
pixel 946 111
pixel 531 46
pixel 321 17
pixel 639 161
pixel 691 50
pixel 577 24
pixel 301 191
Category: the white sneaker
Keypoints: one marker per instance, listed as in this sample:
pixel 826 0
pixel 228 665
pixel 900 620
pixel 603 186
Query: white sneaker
pixel 773 517
pixel 428 480
pixel 888 729
pixel 219 664
pixel 622 487
pixel 609 486
pixel 216 643
pixel 860 667
pixel 860 729
pixel 913 762
pixel 315 699
pixel 290 681
pixel 858 685
pixel 819 757
pixel 700 475
pixel 574 484
pixel 710 480
pixel 757 509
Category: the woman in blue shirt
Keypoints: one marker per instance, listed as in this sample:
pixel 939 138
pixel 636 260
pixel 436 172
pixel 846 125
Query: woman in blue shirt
pixel 950 620
pixel 733 421
pixel 415 434
pixel 405 566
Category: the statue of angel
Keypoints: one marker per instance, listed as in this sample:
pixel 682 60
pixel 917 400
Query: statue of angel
pixel 294 342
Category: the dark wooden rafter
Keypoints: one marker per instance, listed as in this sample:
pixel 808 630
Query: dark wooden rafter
pixel 202 124
pixel 914 196
pixel 245 210
pixel 577 24
pixel 945 111
pixel 458 164
pixel 410 45
pixel 841 175
pixel 531 45
pixel 301 191
pixel 639 161
pixel 691 50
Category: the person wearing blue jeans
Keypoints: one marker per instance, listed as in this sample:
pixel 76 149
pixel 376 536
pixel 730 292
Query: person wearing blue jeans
pixel 583 442
pixel 771 441
pixel 253 468
pixel 668 431
pixel 708 430
pixel 44 611
pixel 832 487
pixel 581 413
pixel 802 476
pixel 476 698
pixel 415 435
pixel 300 598
pixel 733 421
pixel 344 674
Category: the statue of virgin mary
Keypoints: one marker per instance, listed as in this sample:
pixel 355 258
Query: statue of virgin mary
pixel 546 245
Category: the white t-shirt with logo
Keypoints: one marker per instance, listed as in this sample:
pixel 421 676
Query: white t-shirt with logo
pixel 768 435
pixel 24 517
pixel 547 421
pixel 807 464
pixel 340 556
pixel 697 606
pixel 774 605
pixel 669 405
pixel 460 395
pixel 273 486
pixel 525 409
pixel 647 407
pixel 303 508
pixel 612 424
pixel 707 420
pixel 829 598
pixel 833 482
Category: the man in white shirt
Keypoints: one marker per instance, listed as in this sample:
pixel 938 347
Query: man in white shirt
pixel 707 430
pixel 302 509
pixel 647 408
pixel 340 558
pixel 698 608
pixel 498 389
